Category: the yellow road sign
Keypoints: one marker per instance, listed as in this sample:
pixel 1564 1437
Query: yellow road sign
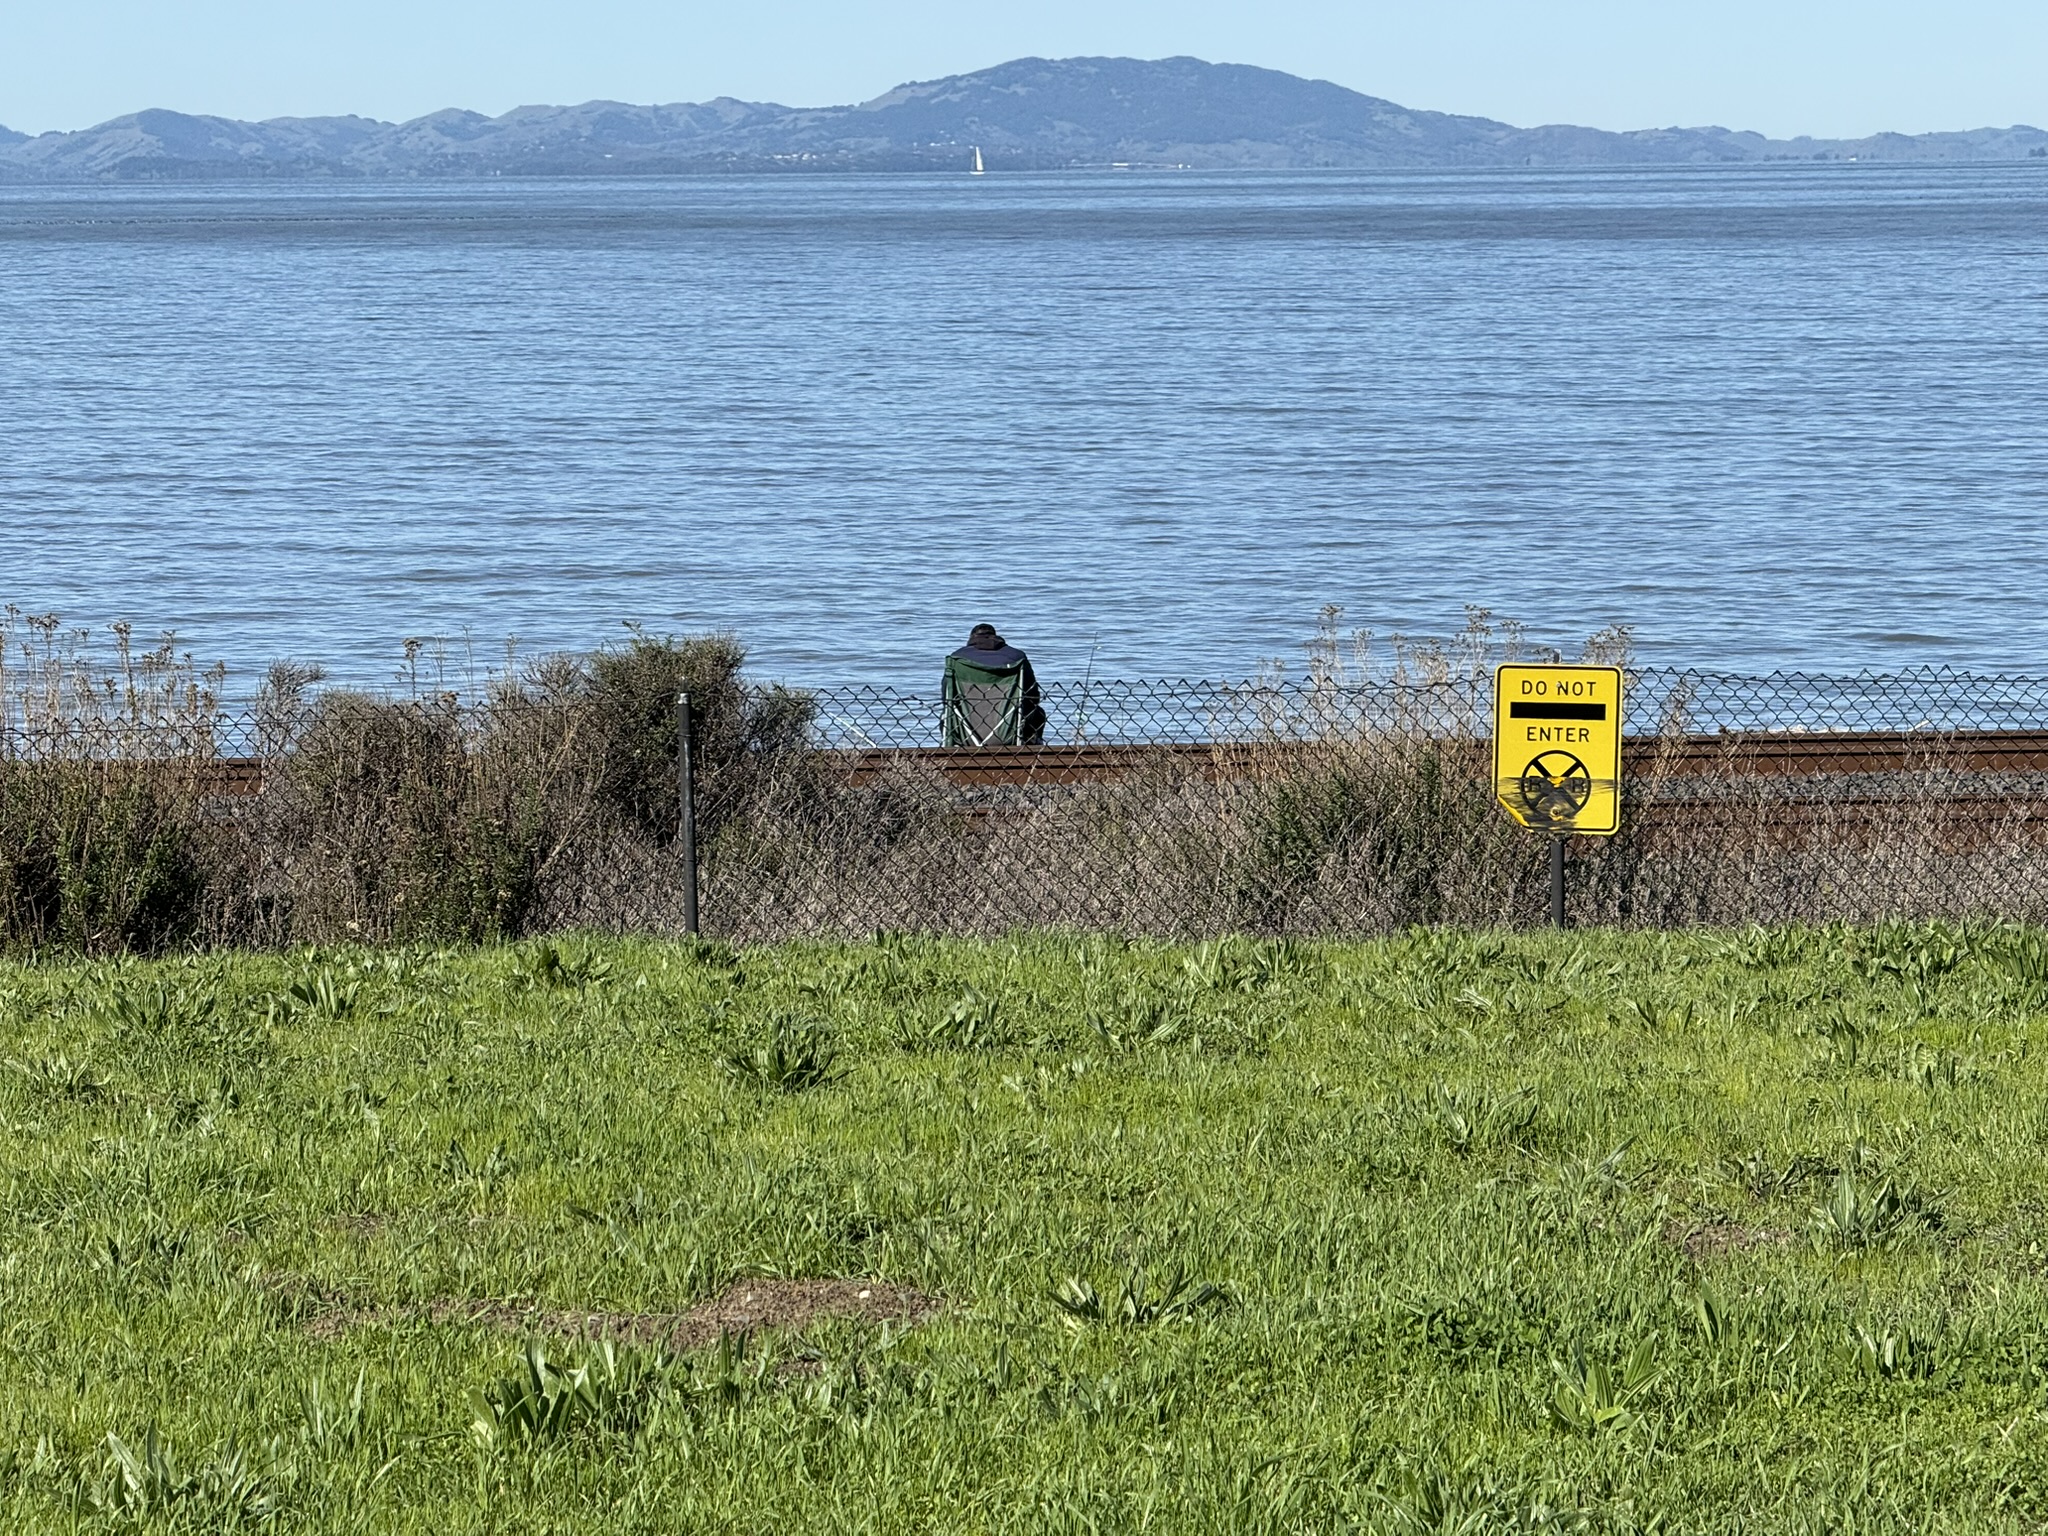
pixel 1557 747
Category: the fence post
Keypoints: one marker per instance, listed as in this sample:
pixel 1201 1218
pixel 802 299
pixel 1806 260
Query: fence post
pixel 1557 879
pixel 686 795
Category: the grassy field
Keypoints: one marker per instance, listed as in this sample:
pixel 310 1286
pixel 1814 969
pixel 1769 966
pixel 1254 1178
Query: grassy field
pixel 1453 1233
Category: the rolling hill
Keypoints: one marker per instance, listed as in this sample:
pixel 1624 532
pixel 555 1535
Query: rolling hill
pixel 1029 114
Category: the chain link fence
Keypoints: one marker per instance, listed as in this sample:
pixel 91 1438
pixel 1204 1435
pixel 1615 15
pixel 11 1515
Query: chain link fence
pixel 1173 809
pixel 1190 809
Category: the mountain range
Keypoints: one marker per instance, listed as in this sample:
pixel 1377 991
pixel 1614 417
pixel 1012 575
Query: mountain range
pixel 1029 114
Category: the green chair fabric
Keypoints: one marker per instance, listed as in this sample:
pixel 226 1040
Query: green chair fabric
pixel 982 706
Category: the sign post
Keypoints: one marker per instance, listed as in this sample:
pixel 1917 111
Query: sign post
pixel 1557 755
pixel 686 807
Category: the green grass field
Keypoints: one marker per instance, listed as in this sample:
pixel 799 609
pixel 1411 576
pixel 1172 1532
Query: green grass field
pixel 1452 1233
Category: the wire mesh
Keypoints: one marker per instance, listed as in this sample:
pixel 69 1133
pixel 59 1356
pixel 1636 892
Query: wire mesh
pixel 1169 808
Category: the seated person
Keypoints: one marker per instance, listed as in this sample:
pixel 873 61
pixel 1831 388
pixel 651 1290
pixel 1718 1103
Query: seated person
pixel 989 695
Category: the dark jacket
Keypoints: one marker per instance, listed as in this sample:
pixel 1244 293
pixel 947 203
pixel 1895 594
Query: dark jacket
pixel 1001 662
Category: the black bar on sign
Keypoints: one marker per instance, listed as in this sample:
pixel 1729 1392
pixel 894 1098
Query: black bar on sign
pixel 1557 711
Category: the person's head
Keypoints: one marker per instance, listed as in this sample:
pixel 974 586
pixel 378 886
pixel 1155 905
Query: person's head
pixel 983 637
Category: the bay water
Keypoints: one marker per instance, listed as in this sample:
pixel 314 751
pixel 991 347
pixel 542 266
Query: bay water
pixel 1148 424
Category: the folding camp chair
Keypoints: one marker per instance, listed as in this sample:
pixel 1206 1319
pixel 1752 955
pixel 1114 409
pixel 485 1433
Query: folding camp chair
pixel 981 707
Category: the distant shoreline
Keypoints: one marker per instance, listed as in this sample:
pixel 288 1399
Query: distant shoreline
pixel 1036 115
pixel 196 177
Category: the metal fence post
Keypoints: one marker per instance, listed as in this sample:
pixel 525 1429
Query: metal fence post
pixel 686 794
pixel 1556 880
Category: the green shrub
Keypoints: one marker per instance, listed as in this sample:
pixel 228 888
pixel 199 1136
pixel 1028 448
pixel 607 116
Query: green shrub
pixel 1303 825
pixel 98 857
pixel 740 737
pixel 403 825
pixel 1404 814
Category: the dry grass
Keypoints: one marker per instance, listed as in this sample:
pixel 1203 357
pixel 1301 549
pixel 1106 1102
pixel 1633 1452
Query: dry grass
pixel 546 803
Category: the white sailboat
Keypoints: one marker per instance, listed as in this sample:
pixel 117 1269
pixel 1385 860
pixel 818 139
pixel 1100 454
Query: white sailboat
pixel 978 169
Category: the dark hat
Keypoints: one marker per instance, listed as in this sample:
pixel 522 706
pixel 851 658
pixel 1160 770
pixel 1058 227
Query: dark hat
pixel 983 637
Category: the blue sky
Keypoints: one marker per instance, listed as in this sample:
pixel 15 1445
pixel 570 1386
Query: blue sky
pixel 1792 66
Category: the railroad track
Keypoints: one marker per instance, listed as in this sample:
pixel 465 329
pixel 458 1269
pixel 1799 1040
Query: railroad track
pixel 1766 754
pixel 1801 754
